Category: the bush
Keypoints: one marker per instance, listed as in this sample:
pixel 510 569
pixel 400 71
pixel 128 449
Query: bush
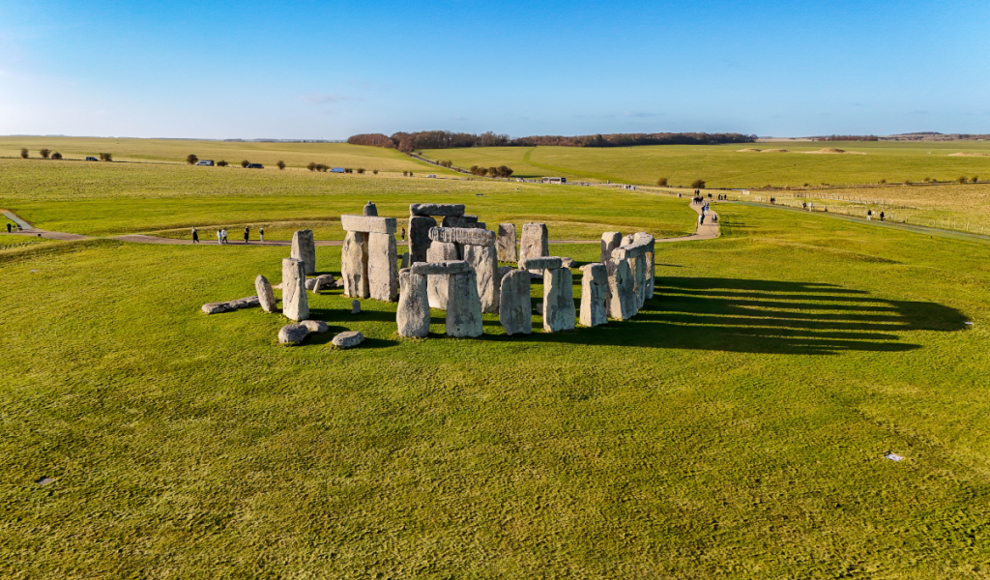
pixel 404 173
pixel 348 170
pixel 974 179
pixel 24 153
pixel 962 179
pixel 222 163
pixel 56 156
pixel 928 180
pixel 106 156
pixel 883 181
pixel 907 182
pixel 45 153
pixel 191 159
pixel 662 182
pixel 360 170
pixel 374 171
pixel 322 167
pixel 700 184
pixel 245 163
pixel 280 165
pixel 311 166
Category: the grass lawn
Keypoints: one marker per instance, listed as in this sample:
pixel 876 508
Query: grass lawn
pixel 736 428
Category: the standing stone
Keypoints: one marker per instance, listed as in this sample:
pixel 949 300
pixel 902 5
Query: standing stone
pixel 463 306
pixel 304 248
pixel 637 266
pixel 295 305
pixel 484 260
pixel 413 315
pixel 651 259
pixel 627 240
pixel 383 278
pixel 354 265
pixel 594 285
pixel 558 300
pixel 622 295
pixel 436 286
pixel 610 241
pixel 535 241
pixel 404 261
pixel 506 243
pixel 266 296
pixel 515 310
pixel 355 307
pixel 419 237
pixel 370 209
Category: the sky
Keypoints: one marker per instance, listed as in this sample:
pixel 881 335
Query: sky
pixel 328 70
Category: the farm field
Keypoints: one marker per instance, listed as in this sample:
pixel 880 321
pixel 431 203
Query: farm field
pixel 727 166
pixel 736 428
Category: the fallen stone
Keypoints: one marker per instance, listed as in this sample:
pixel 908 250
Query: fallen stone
pixel 368 224
pixel 292 334
pixel 558 300
pixel 463 306
pixel 304 248
pixel 438 268
pixel 438 209
pixel 370 209
pixel 484 261
pixel 383 278
pixel 355 307
pixel 467 236
pixel 515 310
pixel 354 265
pixel 248 302
pixel 506 243
pixel 535 241
pixel 413 314
pixel 321 283
pixel 594 293
pixel 610 241
pixel 544 263
pixel 266 296
pixel 317 326
pixel 294 303
pixel 339 283
pixel 622 294
pixel 419 237
pixel 217 308
pixel 348 339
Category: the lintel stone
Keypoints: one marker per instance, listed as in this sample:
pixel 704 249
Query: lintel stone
pixel 437 209
pixel 469 236
pixel 544 263
pixel 370 224
pixel 437 268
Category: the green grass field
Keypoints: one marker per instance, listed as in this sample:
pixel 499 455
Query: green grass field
pixel 736 428
pixel 726 166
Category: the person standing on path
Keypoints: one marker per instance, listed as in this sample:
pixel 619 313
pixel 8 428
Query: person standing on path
pixel 881 216
pixel 869 215
pixel 195 236
pixel 223 233
pixel 701 219
pixel 403 234
pixel 219 236
pixel 261 232
pixel 247 234
pixel 8 227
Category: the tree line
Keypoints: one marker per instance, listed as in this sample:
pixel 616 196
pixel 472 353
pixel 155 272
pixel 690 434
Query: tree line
pixel 450 140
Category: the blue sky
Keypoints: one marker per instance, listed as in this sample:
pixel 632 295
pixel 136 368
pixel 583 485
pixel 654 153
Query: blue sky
pixel 327 70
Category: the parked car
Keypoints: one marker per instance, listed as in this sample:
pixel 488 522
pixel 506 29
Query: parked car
pixel 432 175
pixel 337 170
pixel 255 166
pixel 92 159
pixel 206 162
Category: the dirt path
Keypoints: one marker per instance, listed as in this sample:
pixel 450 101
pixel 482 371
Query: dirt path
pixel 707 231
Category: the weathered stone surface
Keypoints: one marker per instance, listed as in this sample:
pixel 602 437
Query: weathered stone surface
pixel 404 260
pixel 247 302
pixel 484 260
pixel 316 326
pixel 368 224
pixel 463 306
pixel 339 283
pixel 295 305
pixel 419 237
pixel 383 278
pixel 462 236
pixel 544 263
pixel 464 221
pixel 440 268
pixel 535 241
pixel 413 314
pixel 558 300
pixel 266 296
pixel 355 307
pixel 506 243
pixel 439 209
pixel 622 294
pixel 515 311
pixel 568 262
pixel 630 251
pixel 594 286
pixel 610 241
pixel 502 271
pixel 292 334
pixel 217 308
pixel 436 286
pixel 627 240
pixel 650 257
pixel 348 339
pixel 354 265
pixel 370 209
pixel 321 283
pixel 638 267
pixel 479 226
pixel 304 248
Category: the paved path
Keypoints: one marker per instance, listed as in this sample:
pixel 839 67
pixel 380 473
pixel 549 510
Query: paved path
pixel 707 231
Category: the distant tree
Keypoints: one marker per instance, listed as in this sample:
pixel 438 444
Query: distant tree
pixel 404 173
pixel 662 182
pixel 928 180
pixel 322 167
pixel 907 182
pixel 280 165
pixel 45 153
pixel 504 171
pixel 245 163
pixel 106 156
pixel 493 171
pixel 360 170
pixel 962 179
pixel 222 163
pixel 24 153
pixel 191 159
pixel 56 156
pixel 883 181
pixel 311 166
pixel 348 170
pixel 374 171
pixel 700 184
pixel 974 179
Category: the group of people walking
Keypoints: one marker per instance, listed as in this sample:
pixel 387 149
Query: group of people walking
pixel 222 235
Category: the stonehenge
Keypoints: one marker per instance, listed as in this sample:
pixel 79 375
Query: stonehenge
pixel 610 241
pixel 506 243
pixel 413 314
pixel 419 237
pixel 621 296
pixel 558 292
pixel 304 248
pixel 370 209
pixel 294 302
pixel 594 284
pixel 515 310
pixel 369 257
pixel 436 286
pixel 463 303
pixel 535 241
pixel 478 250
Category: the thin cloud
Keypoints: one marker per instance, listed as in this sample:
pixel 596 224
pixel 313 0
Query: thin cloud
pixel 324 99
pixel 638 115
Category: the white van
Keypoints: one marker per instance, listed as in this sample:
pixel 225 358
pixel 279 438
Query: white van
pixel 206 162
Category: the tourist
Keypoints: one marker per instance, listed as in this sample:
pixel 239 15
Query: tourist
pixel 219 236
pixel 869 215
pixel 8 227
pixel 223 236
pixel 701 219
pixel 261 232
pixel 247 232
pixel 403 233
pixel 881 216
pixel 195 236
